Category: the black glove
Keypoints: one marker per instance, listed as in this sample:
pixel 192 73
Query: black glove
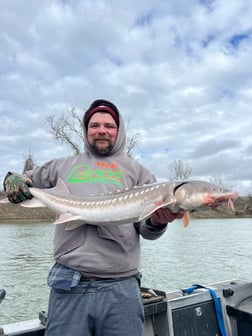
pixel 16 187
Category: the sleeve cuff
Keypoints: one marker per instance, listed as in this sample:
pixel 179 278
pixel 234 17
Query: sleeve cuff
pixel 154 227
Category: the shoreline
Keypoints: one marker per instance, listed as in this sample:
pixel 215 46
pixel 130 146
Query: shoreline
pixel 14 213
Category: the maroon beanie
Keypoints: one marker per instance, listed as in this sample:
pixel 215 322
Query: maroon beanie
pixel 101 105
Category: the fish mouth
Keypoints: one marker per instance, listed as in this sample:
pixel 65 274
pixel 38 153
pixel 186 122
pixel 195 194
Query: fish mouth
pixel 213 201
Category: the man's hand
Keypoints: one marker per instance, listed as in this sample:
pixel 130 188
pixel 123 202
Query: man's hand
pixel 16 187
pixel 164 215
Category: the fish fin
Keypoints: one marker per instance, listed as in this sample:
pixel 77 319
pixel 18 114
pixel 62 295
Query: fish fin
pixel 59 188
pixel 4 201
pixel 148 211
pixel 231 205
pixel 74 225
pixel 67 217
pixel 33 203
pixel 186 219
pixel 76 221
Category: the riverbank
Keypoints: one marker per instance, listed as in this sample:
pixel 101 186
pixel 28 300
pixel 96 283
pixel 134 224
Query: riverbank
pixel 15 213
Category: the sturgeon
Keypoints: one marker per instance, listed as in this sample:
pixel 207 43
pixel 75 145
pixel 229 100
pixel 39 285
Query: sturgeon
pixel 129 205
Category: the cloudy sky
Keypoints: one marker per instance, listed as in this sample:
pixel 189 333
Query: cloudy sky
pixel 179 71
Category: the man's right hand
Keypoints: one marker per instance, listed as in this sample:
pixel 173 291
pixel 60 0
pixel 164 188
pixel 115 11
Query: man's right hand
pixel 16 187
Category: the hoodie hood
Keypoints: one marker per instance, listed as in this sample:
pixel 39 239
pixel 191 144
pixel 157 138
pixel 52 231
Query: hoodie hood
pixel 119 146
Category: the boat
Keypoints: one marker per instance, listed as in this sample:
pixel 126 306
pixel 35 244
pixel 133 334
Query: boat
pixel 219 309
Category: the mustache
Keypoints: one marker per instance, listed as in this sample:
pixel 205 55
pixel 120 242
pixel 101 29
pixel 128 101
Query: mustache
pixel 100 137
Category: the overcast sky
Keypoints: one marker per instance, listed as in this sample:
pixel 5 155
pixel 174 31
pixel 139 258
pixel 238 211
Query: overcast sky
pixel 179 71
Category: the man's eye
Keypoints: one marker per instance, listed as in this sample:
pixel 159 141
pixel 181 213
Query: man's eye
pixel 110 126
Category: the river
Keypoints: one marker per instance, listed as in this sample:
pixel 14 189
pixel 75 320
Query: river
pixel 208 251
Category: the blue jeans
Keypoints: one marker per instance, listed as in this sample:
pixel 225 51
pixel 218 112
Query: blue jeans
pixel 97 308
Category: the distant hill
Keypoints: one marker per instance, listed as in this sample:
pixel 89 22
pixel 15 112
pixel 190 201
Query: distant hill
pixel 15 213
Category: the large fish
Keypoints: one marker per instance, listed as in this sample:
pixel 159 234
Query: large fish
pixel 129 205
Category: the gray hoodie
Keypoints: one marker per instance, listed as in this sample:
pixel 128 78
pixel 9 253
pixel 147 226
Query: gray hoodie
pixel 103 251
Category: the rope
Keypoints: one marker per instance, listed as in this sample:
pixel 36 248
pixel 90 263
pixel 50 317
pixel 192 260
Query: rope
pixel 217 305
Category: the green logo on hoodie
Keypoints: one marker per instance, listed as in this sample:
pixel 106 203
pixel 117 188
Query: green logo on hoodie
pixel 104 173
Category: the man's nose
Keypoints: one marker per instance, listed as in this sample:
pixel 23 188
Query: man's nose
pixel 101 129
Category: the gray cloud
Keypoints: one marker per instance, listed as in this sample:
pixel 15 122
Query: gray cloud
pixel 180 72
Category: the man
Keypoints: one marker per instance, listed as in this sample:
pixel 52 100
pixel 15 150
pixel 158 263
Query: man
pixel 95 280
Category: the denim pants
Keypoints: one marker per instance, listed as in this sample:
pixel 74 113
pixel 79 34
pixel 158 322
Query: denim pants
pixel 97 308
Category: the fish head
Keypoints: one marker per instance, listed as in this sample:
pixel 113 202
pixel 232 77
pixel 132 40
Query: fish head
pixel 194 195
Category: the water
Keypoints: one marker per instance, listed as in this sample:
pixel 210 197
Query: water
pixel 26 257
pixel 205 252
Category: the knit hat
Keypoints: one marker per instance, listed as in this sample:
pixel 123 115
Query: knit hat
pixel 101 105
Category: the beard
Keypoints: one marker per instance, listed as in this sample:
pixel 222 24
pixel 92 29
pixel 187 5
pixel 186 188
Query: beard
pixel 102 151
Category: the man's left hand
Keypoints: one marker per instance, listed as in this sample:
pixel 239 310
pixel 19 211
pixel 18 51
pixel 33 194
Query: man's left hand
pixel 165 215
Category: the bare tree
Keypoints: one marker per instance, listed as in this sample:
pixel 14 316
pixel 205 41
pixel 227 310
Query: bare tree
pixel 219 181
pixel 179 171
pixel 67 129
pixel 131 142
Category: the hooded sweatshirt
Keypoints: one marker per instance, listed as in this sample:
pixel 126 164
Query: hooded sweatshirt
pixel 102 251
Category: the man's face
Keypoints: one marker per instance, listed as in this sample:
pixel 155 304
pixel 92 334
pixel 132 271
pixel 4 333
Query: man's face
pixel 102 132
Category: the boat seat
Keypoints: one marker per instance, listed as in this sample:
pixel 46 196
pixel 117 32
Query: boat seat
pixel 243 314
